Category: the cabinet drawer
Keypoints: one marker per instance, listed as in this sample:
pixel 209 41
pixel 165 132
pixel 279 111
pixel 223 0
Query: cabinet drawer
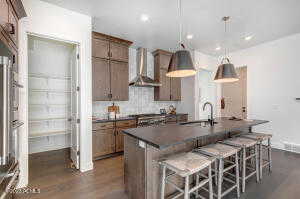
pixel 126 123
pixel 182 118
pixel 105 125
pixel 171 119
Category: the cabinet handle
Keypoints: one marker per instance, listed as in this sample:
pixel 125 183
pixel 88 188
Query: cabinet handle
pixel 108 54
pixel 111 54
pixel 10 28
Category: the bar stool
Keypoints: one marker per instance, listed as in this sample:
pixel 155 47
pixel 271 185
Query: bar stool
pixel 246 145
pixel 221 152
pixel 186 165
pixel 261 138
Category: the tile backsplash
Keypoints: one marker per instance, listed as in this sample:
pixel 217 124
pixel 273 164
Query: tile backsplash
pixel 141 99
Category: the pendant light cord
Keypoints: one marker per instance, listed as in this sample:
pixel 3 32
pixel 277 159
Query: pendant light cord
pixel 225 30
pixel 180 23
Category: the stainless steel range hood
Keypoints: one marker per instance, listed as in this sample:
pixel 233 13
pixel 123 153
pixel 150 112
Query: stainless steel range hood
pixel 142 80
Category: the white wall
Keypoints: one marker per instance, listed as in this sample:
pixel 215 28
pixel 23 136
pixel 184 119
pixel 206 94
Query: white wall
pixel 141 99
pixel 273 84
pixel 52 21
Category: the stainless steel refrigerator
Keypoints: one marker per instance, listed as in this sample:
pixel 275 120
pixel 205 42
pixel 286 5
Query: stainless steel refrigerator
pixel 9 124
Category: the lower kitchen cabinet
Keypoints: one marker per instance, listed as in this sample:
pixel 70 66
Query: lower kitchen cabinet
pixel 103 142
pixel 119 140
pixel 108 138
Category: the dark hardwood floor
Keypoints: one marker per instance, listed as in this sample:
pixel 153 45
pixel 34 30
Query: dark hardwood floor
pixel 50 172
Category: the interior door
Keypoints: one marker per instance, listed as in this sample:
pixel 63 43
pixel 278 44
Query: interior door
pixel 234 96
pixel 75 124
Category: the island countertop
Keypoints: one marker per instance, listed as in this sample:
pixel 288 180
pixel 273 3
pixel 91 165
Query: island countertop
pixel 165 136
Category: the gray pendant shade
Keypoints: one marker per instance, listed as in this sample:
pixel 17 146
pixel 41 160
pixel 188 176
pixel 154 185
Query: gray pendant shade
pixel 226 73
pixel 181 64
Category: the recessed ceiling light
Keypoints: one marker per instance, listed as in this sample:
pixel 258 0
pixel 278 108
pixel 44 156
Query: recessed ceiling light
pixel 144 17
pixel 189 36
pixel 218 48
pixel 247 38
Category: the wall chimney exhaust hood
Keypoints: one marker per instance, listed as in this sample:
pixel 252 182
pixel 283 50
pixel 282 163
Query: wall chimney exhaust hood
pixel 142 80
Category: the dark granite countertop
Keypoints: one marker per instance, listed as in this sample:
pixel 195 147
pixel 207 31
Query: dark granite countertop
pixel 131 118
pixel 164 136
pixel 113 120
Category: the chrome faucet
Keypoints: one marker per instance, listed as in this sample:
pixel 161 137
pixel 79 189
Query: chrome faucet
pixel 211 119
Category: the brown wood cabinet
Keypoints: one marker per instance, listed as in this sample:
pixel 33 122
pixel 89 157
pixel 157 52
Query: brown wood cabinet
pixel 108 138
pixel 114 54
pixel 103 142
pixel 171 87
pixel 101 79
pixel 3 12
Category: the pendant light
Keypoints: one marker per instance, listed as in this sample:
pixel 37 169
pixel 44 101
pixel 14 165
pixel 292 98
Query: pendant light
pixel 226 71
pixel 181 64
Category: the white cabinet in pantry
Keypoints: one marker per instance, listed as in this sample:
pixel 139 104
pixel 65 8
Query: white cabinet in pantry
pixel 52 98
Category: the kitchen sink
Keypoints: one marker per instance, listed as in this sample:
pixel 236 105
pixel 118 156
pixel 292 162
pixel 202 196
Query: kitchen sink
pixel 197 123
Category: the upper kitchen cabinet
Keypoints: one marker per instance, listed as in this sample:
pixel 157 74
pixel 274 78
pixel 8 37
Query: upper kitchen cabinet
pixel 10 12
pixel 3 12
pixel 110 68
pixel 170 90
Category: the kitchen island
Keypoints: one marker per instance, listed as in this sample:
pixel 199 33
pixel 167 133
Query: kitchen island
pixel 145 146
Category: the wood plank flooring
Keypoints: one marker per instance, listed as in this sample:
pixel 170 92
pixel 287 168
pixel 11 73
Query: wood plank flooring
pixel 51 173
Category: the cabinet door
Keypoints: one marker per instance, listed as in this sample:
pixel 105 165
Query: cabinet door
pixel 120 138
pixel 164 89
pixel 13 29
pixel 119 52
pixel 119 80
pixel 175 89
pixel 3 12
pixel 100 48
pixel 103 142
pixel 101 80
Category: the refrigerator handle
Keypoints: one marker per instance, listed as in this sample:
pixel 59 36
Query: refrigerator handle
pixel 6 112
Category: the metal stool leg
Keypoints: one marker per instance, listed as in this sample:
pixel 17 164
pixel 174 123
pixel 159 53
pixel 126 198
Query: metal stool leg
pixel 163 182
pixel 237 175
pixel 269 154
pixel 216 172
pixel 210 183
pixel 256 163
pixel 260 160
pixel 244 169
pixel 186 188
pixel 220 178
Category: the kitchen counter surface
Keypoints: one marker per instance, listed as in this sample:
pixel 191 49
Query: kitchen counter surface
pixel 113 120
pixel 165 136
pixel 98 120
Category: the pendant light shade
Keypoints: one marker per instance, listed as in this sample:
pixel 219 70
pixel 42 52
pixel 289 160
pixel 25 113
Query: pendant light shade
pixel 226 73
pixel 181 64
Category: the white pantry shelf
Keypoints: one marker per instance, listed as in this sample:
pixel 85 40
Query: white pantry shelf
pixel 49 133
pixel 50 91
pixel 49 105
pixel 48 119
pixel 44 76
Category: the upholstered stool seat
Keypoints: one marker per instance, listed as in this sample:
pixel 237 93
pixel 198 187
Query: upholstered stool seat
pixel 240 142
pixel 217 150
pixel 186 165
pixel 257 136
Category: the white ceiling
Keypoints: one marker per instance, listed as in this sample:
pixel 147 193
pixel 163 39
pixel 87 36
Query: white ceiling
pixel 265 20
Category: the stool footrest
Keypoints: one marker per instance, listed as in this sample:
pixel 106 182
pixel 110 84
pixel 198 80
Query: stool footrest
pixel 203 182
